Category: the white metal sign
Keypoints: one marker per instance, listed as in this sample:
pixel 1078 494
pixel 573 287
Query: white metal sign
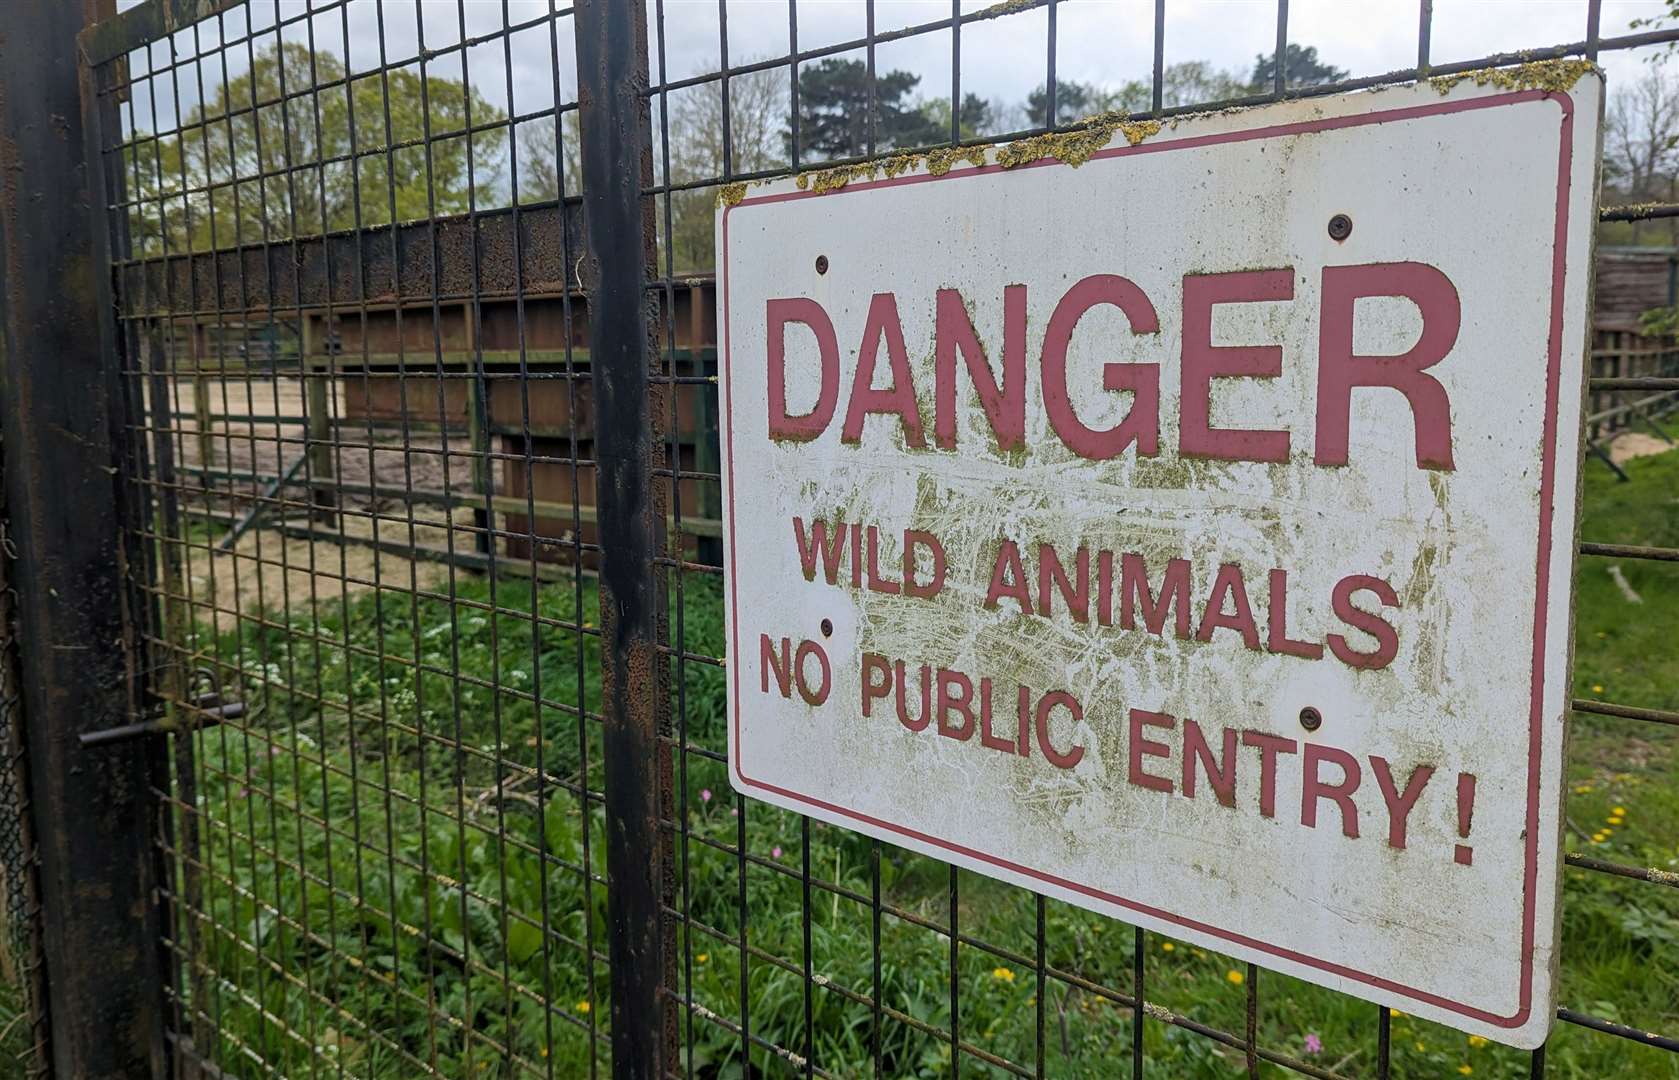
pixel 1187 534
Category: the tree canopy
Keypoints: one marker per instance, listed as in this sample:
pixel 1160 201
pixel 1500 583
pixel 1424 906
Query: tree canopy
pixel 1301 67
pixel 265 159
pixel 295 147
pixel 834 111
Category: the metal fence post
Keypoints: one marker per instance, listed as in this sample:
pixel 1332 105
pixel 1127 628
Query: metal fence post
pixel 617 158
pixel 92 808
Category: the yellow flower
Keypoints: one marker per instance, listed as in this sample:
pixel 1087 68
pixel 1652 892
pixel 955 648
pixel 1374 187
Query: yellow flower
pixel 1420 1046
pixel 1477 1041
pixel 1583 789
pixel 1167 946
pixel 1619 810
pixel 1597 688
pixel 1465 1069
pixel 1235 977
pixel 1615 819
pixel 1002 973
pixel 702 958
pixel 582 1006
pixel 1598 838
pixel 1395 1012
pixel 544 1051
pixel 1607 831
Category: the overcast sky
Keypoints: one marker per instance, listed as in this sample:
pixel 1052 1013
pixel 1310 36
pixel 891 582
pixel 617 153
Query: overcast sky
pixel 1100 41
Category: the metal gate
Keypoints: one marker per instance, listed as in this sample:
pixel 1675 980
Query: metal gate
pixel 365 495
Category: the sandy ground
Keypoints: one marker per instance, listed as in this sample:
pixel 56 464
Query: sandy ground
pixel 269 569
pixel 236 445
pixel 1634 444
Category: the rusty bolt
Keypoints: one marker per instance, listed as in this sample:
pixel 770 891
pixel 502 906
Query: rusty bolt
pixel 827 628
pixel 822 264
pixel 1340 227
pixel 1310 718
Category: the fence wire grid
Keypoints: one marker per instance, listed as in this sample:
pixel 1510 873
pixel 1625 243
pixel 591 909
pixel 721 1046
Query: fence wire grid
pixel 426 568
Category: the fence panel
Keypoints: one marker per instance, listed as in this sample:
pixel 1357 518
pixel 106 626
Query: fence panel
pixel 361 387
pixel 416 440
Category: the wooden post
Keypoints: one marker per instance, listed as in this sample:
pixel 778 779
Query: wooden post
pixel 314 371
pixel 707 454
pixel 696 322
pixel 478 435
pixel 201 407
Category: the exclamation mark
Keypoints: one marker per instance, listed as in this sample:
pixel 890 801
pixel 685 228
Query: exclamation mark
pixel 1464 854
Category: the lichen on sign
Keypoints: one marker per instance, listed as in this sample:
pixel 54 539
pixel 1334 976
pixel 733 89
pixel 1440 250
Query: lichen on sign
pixel 1077 146
pixel 937 162
pixel 1073 147
pixel 1551 76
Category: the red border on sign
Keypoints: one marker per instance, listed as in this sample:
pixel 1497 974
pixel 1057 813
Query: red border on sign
pixel 1546 510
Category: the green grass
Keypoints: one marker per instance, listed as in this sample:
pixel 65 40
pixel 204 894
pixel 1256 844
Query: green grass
pixel 16 1035
pixel 296 823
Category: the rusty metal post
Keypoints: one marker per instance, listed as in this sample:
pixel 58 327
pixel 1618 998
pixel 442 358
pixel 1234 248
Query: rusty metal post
pixel 617 167
pixel 92 809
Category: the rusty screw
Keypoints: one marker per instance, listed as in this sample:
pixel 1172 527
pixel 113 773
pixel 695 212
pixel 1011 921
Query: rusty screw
pixel 822 264
pixel 1340 227
pixel 1310 718
pixel 827 628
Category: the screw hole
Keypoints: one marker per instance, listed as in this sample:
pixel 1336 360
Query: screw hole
pixel 1340 227
pixel 822 264
pixel 827 628
pixel 1310 718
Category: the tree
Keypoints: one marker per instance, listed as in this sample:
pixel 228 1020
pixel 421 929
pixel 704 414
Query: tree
pixel 1191 82
pixel 1301 67
pixel 979 117
pixel 1197 82
pixel 254 164
pixel 834 112
pixel 546 159
pixel 757 119
pixel 1073 101
pixel 1641 148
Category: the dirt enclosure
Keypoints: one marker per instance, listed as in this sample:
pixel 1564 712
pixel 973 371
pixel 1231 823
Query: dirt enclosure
pixel 253 454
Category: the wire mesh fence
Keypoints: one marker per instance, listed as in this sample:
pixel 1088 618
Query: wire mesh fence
pixel 420 468
pixel 22 1038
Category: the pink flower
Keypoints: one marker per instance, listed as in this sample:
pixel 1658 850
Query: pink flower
pixel 705 794
pixel 734 811
pixel 1314 1045
pixel 775 853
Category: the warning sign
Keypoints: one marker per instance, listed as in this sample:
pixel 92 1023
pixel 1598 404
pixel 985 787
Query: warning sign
pixel 1178 520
